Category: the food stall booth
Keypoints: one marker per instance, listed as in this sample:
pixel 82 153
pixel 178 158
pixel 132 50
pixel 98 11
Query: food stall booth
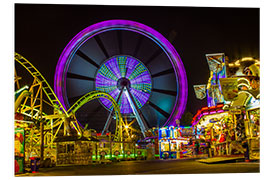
pixel 172 144
pixel 217 128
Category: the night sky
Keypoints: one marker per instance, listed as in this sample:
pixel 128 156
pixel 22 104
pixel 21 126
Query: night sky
pixel 43 31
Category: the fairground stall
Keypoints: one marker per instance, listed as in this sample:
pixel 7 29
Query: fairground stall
pixel 215 130
pixel 150 144
pixel 242 91
pixel 172 144
pixel 108 150
pixel 230 123
pixel 72 150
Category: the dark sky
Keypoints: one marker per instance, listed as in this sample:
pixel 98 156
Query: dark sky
pixel 43 31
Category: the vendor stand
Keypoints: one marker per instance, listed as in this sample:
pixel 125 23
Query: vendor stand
pixel 19 150
pixel 172 144
pixel 216 128
pixel 253 130
pixel 73 150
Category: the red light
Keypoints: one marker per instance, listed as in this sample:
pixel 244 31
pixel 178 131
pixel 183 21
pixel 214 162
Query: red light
pixel 204 108
pixel 219 105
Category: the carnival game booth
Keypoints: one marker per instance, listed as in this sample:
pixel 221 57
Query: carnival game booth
pixel 217 129
pixel 172 144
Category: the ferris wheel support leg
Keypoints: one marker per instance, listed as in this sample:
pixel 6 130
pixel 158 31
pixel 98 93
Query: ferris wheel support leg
pixel 135 109
pixel 109 120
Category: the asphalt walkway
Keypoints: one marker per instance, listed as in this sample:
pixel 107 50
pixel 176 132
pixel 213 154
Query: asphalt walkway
pixel 222 160
pixel 182 166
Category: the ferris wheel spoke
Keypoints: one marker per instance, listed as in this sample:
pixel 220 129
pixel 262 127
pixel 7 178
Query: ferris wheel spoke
pixel 97 108
pixel 140 96
pixel 163 91
pixel 120 43
pixel 77 76
pixel 113 66
pixel 106 75
pixel 154 55
pixel 168 71
pixel 138 45
pixel 161 111
pixel 145 119
pixel 130 66
pixel 74 99
pixel 87 58
pixel 101 45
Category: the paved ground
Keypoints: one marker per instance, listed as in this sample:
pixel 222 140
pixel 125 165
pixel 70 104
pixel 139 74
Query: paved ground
pixel 150 167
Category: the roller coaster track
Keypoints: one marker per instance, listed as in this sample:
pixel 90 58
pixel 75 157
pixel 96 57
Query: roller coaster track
pixel 95 95
pixel 45 85
pixel 72 110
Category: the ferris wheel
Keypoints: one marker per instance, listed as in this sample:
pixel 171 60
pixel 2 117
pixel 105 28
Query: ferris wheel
pixel 133 63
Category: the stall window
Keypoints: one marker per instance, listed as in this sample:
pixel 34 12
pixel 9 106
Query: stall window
pixel 165 146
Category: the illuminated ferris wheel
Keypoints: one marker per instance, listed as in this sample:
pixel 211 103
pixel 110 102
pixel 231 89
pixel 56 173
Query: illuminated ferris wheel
pixel 132 62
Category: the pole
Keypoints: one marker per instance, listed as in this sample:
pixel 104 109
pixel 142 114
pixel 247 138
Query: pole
pixel 109 120
pixel 41 141
pixel 110 139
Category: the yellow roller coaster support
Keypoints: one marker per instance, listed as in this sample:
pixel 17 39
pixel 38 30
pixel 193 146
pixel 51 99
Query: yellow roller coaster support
pixel 45 85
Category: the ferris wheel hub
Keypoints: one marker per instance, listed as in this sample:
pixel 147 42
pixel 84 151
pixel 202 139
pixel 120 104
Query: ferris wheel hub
pixel 123 82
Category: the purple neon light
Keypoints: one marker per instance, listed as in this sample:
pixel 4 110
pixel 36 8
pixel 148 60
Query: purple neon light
pixel 116 67
pixel 131 64
pixel 89 32
pixel 140 96
pixel 113 66
pixel 220 111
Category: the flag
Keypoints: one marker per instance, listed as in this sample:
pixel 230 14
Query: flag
pixel 200 91
pixel 229 88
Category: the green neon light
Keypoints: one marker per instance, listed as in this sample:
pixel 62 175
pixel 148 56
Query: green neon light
pixel 120 156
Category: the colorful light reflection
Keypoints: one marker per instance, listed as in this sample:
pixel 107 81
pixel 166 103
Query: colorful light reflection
pixel 127 67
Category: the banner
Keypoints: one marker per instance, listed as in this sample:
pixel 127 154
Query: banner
pixel 229 88
pixel 214 95
pixel 216 63
pixel 200 91
pixel 19 142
